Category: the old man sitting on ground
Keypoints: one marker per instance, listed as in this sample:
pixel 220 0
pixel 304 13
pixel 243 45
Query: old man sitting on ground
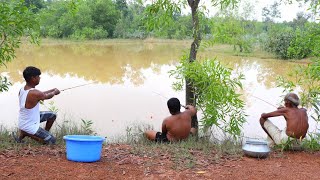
pixel 297 121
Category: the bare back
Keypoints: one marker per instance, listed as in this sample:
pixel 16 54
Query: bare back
pixel 297 122
pixel 178 126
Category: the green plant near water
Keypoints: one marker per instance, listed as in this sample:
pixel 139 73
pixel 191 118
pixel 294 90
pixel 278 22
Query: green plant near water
pixel 70 127
pixel 311 143
pixel 216 91
pixel 87 127
pixel 306 79
pixel 52 107
pixel 4 138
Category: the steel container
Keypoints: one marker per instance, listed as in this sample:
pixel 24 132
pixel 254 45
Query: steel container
pixel 256 148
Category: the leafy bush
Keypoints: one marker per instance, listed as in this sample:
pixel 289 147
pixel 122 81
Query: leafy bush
pixel 89 33
pixel 215 88
pixel 300 45
pixel 16 21
pixel 314 35
pixel 278 42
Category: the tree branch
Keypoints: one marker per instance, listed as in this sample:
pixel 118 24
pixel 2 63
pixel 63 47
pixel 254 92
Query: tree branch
pixel 4 38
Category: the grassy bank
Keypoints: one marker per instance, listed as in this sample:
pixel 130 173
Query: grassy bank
pixel 216 48
pixel 185 154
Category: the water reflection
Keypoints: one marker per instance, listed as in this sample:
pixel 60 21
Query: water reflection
pixel 129 76
pixel 98 62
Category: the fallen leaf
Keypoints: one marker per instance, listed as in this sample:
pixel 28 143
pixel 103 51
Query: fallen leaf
pixel 200 172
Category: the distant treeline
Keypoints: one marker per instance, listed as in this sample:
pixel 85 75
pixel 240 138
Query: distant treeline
pixel 102 19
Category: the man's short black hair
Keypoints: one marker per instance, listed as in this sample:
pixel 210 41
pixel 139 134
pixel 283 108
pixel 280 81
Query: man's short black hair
pixel 174 105
pixel 30 72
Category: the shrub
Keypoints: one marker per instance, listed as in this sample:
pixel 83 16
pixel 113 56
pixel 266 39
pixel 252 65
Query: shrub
pixel 278 42
pixel 300 45
pixel 215 88
pixel 89 33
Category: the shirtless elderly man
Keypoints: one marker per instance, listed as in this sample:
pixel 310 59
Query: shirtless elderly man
pixel 297 121
pixel 175 127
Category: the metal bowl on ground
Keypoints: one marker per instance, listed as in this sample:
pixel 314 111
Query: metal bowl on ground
pixel 256 148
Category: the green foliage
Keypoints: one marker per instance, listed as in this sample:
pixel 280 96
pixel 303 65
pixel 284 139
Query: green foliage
pixel 87 126
pixel 311 143
pixel 104 14
pixel 35 5
pixel 300 45
pixel 233 31
pixel 4 84
pixel 89 33
pixel 314 35
pixel 161 13
pixel 5 138
pixel 307 80
pixel 278 42
pixel 70 127
pixel 215 87
pixel 87 20
pixel 271 12
pixel 297 39
pixel 129 24
pixel 16 21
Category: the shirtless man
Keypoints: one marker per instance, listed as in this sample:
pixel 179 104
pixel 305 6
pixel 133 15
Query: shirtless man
pixel 297 121
pixel 175 127
pixel 30 116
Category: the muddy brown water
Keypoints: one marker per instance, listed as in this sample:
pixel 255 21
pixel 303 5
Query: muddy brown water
pixel 130 83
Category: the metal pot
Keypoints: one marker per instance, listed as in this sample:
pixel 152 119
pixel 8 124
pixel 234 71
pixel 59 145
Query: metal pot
pixel 256 148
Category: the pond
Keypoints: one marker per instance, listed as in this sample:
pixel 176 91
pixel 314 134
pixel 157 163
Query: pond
pixel 130 82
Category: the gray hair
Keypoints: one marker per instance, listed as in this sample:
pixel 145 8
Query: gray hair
pixel 293 98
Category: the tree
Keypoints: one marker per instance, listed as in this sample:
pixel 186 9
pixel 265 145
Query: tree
pixel 105 14
pixel 269 15
pixel 167 8
pixel 35 5
pixel 231 27
pixel 16 21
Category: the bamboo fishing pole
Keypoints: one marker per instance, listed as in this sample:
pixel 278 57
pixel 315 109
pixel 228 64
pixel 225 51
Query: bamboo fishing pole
pixel 76 86
pixel 168 98
pixel 264 101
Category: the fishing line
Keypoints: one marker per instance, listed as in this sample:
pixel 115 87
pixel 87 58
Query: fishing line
pixel 167 98
pixel 76 86
pixel 263 101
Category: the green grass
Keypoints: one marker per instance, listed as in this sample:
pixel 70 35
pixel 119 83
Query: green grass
pixel 185 154
pixel 67 127
pixel 308 144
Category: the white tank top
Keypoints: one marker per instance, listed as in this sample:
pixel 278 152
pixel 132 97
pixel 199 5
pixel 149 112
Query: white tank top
pixel 29 119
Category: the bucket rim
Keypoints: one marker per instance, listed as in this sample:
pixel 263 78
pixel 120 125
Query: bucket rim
pixel 83 138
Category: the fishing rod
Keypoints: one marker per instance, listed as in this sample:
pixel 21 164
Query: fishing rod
pixel 76 86
pixel 168 98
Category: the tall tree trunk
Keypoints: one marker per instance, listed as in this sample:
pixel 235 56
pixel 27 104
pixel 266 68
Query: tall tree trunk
pixel 190 96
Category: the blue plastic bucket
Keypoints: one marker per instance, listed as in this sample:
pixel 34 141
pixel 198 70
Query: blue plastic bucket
pixel 83 148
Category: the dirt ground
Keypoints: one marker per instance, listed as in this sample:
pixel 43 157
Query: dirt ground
pixel 118 162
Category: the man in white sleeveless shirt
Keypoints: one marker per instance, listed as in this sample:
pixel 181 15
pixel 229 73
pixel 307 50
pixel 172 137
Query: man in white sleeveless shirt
pixel 30 116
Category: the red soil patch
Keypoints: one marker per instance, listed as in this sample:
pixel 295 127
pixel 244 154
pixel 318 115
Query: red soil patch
pixel 118 162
